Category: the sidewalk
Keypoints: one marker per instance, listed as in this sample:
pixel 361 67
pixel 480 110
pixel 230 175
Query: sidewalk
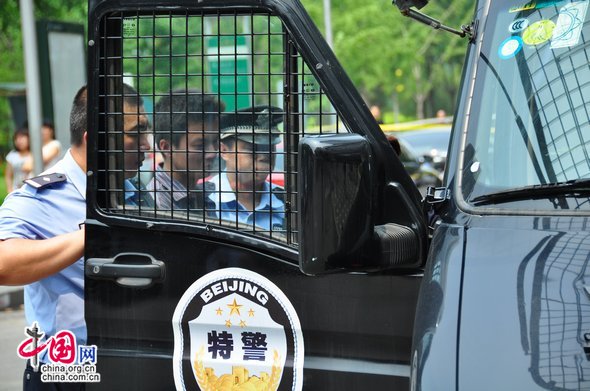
pixel 12 325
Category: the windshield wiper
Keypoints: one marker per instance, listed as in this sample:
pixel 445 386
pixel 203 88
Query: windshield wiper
pixel 577 186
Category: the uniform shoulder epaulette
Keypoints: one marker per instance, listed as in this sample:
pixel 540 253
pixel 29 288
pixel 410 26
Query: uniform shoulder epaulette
pixel 42 181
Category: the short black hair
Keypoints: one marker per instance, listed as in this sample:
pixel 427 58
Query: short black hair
pixel 78 115
pixel 131 97
pixel 174 112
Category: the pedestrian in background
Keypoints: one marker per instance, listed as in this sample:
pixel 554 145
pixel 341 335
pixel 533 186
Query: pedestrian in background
pixel 51 150
pixel 18 161
pixel 376 111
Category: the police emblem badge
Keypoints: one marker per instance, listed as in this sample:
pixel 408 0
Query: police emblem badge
pixel 236 330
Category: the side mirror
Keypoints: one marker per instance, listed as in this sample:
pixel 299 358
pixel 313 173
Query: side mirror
pixel 403 5
pixel 337 208
pixel 335 201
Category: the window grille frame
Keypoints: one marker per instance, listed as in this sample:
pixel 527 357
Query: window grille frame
pixel 302 35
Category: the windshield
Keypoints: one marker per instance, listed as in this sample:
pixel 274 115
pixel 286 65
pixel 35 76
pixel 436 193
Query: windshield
pixel 530 118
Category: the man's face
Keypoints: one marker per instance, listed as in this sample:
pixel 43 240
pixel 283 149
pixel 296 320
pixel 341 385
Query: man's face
pixel 194 154
pixel 241 159
pixel 135 143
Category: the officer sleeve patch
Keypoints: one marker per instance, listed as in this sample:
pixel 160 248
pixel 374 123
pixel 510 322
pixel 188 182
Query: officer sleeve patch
pixel 43 181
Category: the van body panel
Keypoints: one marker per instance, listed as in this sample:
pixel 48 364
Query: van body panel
pixel 357 329
pixel 437 316
pixel 525 308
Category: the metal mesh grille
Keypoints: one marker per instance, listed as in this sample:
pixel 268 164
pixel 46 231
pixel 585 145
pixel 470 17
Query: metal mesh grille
pixel 216 104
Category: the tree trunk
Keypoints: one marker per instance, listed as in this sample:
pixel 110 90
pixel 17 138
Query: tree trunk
pixel 420 96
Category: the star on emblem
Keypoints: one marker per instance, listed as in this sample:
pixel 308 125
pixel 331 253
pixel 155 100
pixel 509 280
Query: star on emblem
pixel 251 312
pixel 219 311
pixel 242 323
pixel 228 323
pixel 234 308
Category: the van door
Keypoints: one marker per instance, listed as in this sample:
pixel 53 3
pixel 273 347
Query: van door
pixel 187 286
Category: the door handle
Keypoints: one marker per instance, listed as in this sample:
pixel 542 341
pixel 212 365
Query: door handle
pixel 133 270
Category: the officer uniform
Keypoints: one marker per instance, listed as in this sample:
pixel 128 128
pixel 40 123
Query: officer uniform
pixel 268 214
pixel 136 194
pixel 46 206
pixel 257 126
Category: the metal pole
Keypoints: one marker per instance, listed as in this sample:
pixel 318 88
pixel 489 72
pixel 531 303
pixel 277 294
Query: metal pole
pixel 331 119
pixel 328 22
pixel 33 84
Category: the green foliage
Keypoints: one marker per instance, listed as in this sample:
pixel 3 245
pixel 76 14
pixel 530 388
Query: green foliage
pixel 12 64
pixel 392 57
pixel 2 182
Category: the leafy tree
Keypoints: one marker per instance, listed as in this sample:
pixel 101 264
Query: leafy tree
pixel 394 60
pixel 12 64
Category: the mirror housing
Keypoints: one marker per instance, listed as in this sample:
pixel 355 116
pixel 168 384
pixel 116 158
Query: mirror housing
pixel 335 201
pixel 404 5
pixel 337 190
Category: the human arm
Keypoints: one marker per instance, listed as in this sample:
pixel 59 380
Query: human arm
pixel 50 151
pixel 23 261
pixel 27 166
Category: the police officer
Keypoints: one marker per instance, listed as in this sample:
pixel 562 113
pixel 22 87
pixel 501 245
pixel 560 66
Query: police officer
pixel 248 140
pixel 42 243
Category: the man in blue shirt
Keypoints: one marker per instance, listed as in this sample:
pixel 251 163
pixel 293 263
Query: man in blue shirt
pixel 135 144
pixel 42 242
pixel 248 148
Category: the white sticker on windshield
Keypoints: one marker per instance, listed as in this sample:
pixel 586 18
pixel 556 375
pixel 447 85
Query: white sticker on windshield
pixel 518 25
pixel 569 25
pixel 510 47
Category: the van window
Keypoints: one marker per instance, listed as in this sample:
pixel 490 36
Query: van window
pixel 226 99
pixel 530 121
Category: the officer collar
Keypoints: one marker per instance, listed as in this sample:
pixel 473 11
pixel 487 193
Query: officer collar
pixel 73 171
pixel 224 193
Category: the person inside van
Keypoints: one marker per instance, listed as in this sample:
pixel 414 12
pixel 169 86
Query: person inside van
pixel 135 144
pixel 241 193
pixel 186 132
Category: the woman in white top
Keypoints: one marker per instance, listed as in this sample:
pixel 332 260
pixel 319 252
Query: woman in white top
pixel 18 161
pixel 51 147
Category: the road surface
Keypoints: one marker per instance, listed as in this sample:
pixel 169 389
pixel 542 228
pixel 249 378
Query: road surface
pixel 12 325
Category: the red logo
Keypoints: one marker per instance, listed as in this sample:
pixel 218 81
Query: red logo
pixel 61 347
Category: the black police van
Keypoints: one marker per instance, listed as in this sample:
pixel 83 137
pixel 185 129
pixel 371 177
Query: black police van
pixel 332 272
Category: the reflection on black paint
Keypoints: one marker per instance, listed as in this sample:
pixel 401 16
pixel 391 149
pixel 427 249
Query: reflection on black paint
pixel 553 318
